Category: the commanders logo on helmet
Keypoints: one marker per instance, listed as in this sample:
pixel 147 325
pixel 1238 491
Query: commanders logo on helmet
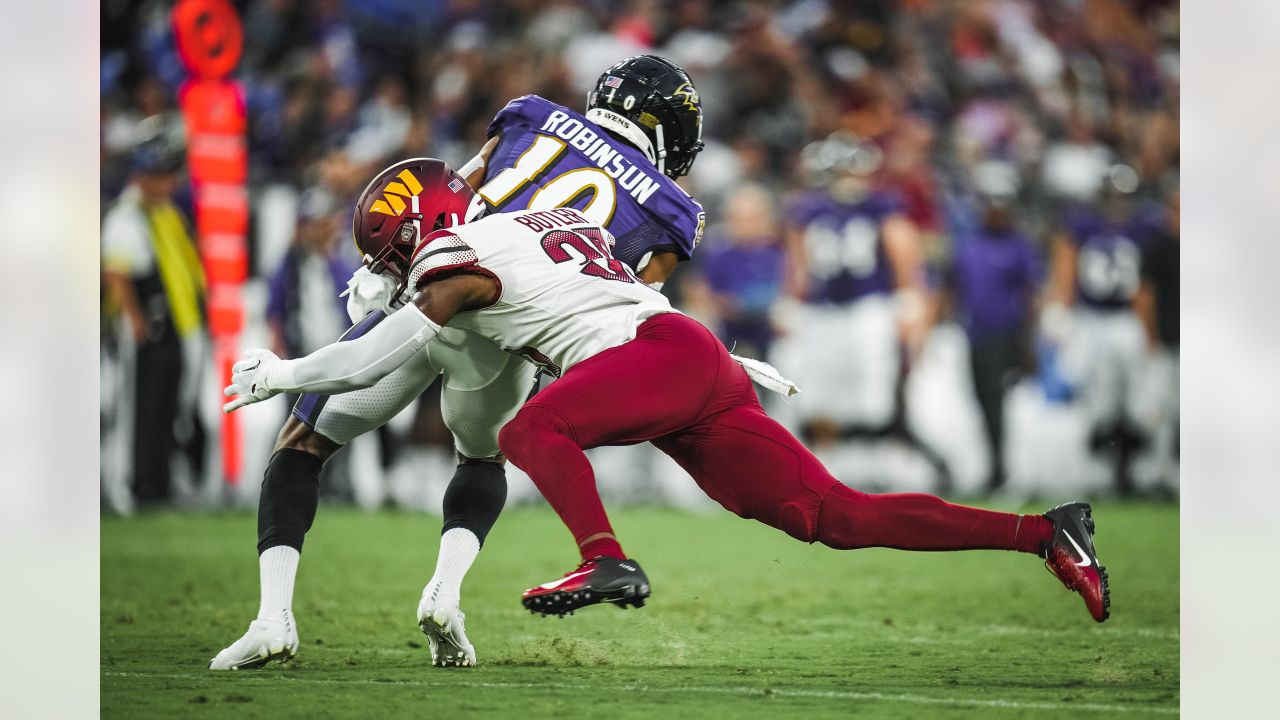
pixel 401 205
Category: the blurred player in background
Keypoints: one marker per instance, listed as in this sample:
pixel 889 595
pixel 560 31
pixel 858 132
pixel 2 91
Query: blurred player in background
pixel 154 283
pixel 1095 273
pixel 857 298
pixel 994 277
pixel 617 164
pixel 1157 304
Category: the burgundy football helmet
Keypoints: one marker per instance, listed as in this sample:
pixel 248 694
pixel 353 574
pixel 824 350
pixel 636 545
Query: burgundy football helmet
pixel 403 204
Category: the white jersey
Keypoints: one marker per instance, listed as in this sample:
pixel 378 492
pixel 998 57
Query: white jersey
pixel 562 297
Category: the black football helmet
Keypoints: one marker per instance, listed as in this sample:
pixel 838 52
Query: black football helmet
pixel 651 102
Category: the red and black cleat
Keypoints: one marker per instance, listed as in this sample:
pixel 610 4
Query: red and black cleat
pixel 1071 557
pixel 598 580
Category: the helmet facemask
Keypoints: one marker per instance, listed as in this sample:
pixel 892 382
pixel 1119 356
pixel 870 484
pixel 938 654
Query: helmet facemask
pixel 393 260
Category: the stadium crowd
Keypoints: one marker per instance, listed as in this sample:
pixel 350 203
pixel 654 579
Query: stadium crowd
pixel 1005 133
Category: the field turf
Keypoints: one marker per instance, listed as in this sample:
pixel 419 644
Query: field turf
pixel 744 622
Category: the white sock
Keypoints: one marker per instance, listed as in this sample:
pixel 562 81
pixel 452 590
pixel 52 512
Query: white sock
pixel 458 550
pixel 277 568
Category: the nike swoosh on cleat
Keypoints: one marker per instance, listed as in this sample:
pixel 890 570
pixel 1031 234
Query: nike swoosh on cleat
pixel 1084 556
pixel 563 580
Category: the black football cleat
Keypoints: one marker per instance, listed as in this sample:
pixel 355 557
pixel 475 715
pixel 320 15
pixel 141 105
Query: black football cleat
pixel 598 580
pixel 1071 557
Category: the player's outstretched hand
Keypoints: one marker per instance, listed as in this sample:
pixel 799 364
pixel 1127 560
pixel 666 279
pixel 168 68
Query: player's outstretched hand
pixel 249 379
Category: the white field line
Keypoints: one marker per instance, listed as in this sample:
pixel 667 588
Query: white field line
pixel 956 631
pixel 692 689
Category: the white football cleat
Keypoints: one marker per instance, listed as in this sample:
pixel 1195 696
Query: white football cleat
pixel 442 622
pixel 266 640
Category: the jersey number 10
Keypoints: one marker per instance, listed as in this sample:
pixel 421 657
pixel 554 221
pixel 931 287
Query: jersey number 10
pixel 561 191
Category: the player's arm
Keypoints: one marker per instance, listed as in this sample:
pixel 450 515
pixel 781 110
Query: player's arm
pixel 120 291
pixel 441 299
pixel 659 268
pixel 795 278
pixel 1060 294
pixel 902 246
pixel 123 244
pixel 1062 271
pixel 361 362
pixel 906 262
pixel 473 171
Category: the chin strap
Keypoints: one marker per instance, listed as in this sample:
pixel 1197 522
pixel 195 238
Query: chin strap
pixel 662 150
pixel 610 120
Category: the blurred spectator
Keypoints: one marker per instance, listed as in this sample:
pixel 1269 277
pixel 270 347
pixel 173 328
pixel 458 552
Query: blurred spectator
pixel 303 307
pixel 154 282
pixel 994 277
pixel 382 124
pixel 740 269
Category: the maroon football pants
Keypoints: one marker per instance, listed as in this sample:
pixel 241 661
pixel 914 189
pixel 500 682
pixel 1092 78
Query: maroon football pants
pixel 677 387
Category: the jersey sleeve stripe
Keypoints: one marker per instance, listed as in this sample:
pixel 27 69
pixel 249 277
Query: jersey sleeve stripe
pixel 460 247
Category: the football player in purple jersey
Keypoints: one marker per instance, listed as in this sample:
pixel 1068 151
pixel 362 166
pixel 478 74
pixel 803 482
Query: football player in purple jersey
pixel 1095 274
pixel 616 163
pixel 857 296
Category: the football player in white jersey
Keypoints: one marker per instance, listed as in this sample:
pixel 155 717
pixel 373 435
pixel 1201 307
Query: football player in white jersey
pixel 617 162
pixel 544 285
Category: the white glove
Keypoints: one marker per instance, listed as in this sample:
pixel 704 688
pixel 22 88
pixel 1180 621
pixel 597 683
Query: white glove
pixel 249 378
pixel 1056 324
pixel 767 376
pixel 367 291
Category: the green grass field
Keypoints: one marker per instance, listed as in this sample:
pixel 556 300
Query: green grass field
pixel 743 622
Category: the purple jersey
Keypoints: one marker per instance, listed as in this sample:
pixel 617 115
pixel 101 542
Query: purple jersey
pixel 751 275
pixel 995 276
pixel 550 156
pixel 846 255
pixel 1109 262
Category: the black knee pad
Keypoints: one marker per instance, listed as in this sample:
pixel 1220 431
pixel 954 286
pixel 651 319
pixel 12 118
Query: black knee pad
pixel 475 497
pixel 290 495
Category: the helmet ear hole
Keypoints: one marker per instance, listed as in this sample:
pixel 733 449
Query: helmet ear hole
pixel 439 223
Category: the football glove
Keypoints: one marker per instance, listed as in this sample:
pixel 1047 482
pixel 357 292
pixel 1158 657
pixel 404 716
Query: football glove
pixel 249 379
pixel 1056 324
pixel 368 291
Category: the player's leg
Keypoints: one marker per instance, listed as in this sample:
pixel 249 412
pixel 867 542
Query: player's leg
pixel 649 387
pixel 752 466
pixel 483 389
pixel 741 457
pixel 646 388
pixel 317 428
